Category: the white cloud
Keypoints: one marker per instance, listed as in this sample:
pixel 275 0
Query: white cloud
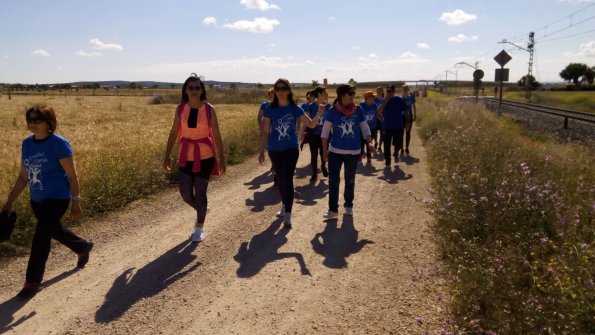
pixel 41 53
pixel 457 17
pixel 587 49
pixel 209 20
pixel 88 54
pixel 462 38
pixel 332 18
pixel 258 4
pixel 368 58
pixel 270 59
pixel 98 45
pixel 423 45
pixel 577 1
pixel 259 25
pixel 309 62
pixel 408 55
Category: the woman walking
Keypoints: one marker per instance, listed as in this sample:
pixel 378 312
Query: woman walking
pixel 196 128
pixel 279 136
pixel 378 100
pixel 47 165
pixel 313 134
pixel 343 128
pixel 370 110
pixel 410 116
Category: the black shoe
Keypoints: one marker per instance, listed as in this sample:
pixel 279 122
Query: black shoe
pixel 407 151
pixel 313 178
pixel 324 171
pixel 29 290
pixel 84 256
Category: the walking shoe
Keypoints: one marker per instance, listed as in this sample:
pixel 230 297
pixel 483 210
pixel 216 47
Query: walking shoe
pixel 349 211
pixel 407 151
pixel 313 178
pixel 198 235
pixel 330 215
pixel 281 212
pixel 84 256
pixel 29 290
pixel 287 220
pixel 324 171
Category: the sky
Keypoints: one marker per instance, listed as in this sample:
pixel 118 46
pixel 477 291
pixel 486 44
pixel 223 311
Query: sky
pixel 259 41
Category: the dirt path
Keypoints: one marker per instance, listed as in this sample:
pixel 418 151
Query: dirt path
pixel 370 274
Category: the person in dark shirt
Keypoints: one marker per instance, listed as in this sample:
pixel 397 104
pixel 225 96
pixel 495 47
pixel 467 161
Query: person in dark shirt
pixel 391 113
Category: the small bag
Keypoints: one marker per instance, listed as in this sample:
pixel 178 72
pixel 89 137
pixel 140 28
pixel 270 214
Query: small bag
pixel 7 222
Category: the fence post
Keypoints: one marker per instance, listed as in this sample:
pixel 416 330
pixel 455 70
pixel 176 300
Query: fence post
pixel 565 123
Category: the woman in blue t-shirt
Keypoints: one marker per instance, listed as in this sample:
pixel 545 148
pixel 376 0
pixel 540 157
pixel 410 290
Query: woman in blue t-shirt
pixel 47 165
pixel 370 110
pixel 344 126
pixel 279 136
pixel 313 134
pixel 410 116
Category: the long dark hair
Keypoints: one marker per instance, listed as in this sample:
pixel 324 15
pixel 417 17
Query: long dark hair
pixel 193 77
pixel 285 82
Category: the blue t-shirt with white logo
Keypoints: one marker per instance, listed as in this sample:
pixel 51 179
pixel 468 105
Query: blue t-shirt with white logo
pixel 393 114
pixel 370 113
pixel 409 101
pixel 283 133
pixel 264 105
pixel 313 110
pixel 47 179
pixel 346 132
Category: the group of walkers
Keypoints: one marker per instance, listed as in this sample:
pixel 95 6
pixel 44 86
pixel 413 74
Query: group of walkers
pixel 341 133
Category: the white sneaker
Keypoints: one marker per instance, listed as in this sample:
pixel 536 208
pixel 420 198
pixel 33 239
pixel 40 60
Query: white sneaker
pixel 349 211
pixel 331 215
pixel 198 235
pixel 281 212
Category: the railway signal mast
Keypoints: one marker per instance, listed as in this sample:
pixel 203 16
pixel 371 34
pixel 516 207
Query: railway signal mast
pixel 530 49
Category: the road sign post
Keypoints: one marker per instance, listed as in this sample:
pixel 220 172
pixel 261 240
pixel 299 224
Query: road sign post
pixel 501 74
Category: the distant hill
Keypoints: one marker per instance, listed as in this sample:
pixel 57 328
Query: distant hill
pixel 150 84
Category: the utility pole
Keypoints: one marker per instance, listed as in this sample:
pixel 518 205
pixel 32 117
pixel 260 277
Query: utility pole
pixel 530 49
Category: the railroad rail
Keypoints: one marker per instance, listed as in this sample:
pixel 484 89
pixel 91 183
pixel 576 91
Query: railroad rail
pixel 561 112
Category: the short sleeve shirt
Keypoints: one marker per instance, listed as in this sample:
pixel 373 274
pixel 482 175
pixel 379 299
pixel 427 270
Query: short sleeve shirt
pixel 47 179
pixel 346 132
pixel 283 132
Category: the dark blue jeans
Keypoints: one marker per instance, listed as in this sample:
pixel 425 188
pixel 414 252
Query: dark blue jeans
pixel 284 163
pixel 335 161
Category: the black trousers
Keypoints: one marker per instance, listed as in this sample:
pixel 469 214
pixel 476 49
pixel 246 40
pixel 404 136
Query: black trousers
pixel 48 214
pixel 315 144
pixel 392 137
pixel 284 163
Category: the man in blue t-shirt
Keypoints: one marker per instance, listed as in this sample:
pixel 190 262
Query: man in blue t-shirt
pixel 391 113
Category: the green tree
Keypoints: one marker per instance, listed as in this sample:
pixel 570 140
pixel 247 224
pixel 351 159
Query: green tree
pixel 259 86
pixel 233 87
pixel 314 83
pixel 573 72
pixel 132 85
pixel 589 75
pixel 533 83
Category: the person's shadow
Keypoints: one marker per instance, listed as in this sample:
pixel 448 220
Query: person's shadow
pixel 308 194
pixel 367 170
pixel 261 199
pixel 154 277
pixel 336 244
pixel 258 181
pixel 393 176
pixel 409 160
pixel 263 249
pixel 14 304
pixel 303 172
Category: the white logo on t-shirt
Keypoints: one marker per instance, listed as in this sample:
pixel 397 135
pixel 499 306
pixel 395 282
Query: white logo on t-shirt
pixel 347 128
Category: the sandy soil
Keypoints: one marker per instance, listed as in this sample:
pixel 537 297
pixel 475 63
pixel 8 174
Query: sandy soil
pixel 372 273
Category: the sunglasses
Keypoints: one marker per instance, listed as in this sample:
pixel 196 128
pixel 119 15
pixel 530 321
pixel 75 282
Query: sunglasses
pixel 281 88
pixel 351 93
pixel 194 88
pixel 35 120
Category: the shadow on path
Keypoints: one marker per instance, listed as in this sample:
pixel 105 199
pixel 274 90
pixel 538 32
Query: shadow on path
pixel 14 304
pixel 263 249
pixel 336 244
pixel 367 170
pixel 154 277
pixel 308 195
pixel 393 176
pixel 258 181
pixel 261 199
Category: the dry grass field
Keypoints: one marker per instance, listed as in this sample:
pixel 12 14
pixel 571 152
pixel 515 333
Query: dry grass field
pixel 118 144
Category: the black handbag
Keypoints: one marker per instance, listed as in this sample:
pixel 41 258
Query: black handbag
pixel 7 222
